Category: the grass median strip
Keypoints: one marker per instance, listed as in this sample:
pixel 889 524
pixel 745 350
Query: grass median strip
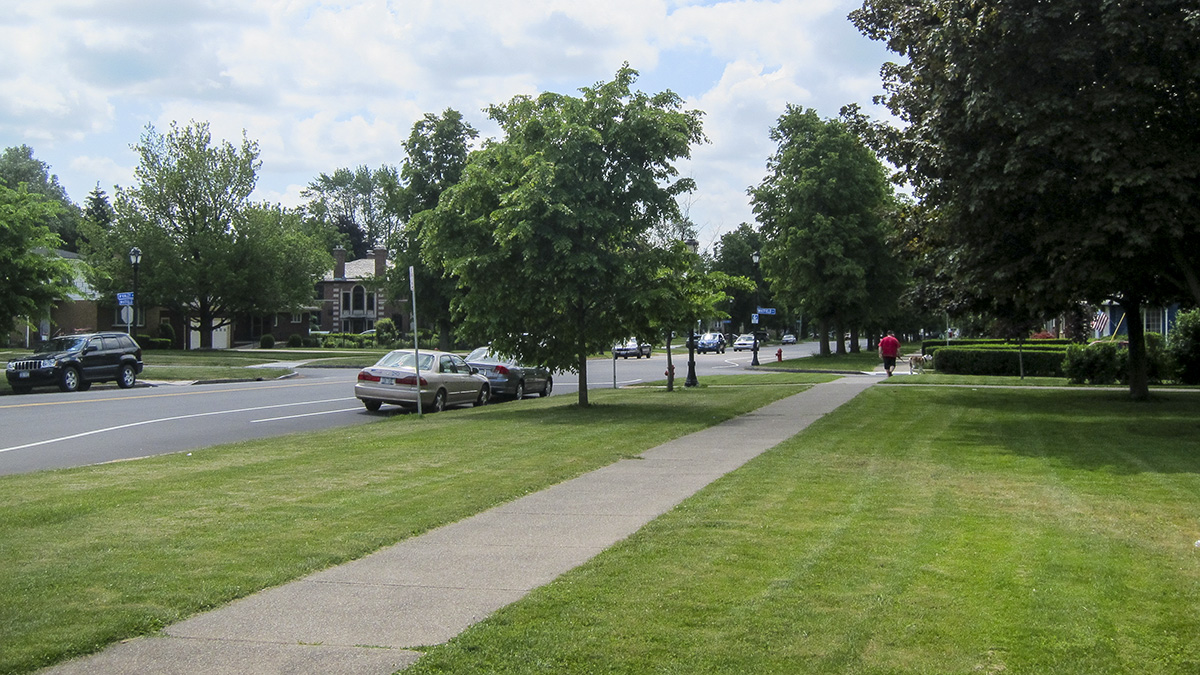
pixel 910 531
pixel 103 553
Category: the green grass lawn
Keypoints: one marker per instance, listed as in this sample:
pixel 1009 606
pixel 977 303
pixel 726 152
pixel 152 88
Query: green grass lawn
pixel 911 531
pixel 862 361
pixel 98 554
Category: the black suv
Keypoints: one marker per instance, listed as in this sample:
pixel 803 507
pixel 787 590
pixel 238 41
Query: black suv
pixel 74 362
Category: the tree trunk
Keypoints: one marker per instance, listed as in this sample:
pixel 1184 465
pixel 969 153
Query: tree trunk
pixel 840 336
pixel 444 335
pixel 854 348
pixel 583 389
pixel 823 331
pixel 1139 365
pixel 204 324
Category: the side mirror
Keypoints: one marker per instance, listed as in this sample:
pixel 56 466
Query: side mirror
pixel 474 370
pixel 90 348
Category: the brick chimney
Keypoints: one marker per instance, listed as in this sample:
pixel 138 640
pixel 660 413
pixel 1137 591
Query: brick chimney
pixel 380 262
pixel 339 262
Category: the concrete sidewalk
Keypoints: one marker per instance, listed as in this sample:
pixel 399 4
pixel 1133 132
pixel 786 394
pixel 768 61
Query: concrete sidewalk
pixel 364 617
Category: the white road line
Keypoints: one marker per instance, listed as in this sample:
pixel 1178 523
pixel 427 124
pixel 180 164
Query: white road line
pixel 292 417
pixel 119 427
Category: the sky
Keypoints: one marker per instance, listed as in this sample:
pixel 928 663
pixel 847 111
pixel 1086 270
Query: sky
pixel 326 84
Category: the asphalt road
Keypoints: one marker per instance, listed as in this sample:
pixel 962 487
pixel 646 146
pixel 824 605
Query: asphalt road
pixel 49 429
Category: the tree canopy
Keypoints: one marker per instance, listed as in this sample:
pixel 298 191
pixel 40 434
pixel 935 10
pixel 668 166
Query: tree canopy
pixel 1057 141
pixel 208 252
pixel 437 150
pixel 821 210
pixel 32 276
pixel 18 166
pixel 548 230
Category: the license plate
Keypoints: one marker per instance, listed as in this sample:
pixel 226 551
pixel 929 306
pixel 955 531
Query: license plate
pixel 22 375
pixel 387 381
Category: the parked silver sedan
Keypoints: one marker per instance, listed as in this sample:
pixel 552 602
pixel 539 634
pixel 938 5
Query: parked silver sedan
pixel 509 378
pixel 445 380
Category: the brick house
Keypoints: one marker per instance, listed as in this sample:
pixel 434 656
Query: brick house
pixel 353 296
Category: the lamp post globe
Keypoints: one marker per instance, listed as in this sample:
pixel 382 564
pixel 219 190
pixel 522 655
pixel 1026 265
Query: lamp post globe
pixel 135 259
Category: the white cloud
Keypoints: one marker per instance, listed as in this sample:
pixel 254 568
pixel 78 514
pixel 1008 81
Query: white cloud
pixel 322 84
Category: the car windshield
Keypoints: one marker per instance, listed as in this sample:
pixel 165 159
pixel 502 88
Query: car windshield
pixel 747 337
pixel 406 360
pixel 710 336
pixel 60 344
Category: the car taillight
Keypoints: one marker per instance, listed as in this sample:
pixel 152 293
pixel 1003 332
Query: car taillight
pixel 364 376
pixel 501 370
pixel 410 380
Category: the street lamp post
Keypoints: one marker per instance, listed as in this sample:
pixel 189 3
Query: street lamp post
pixel 135 258
pixel 754 326
pixel 691 374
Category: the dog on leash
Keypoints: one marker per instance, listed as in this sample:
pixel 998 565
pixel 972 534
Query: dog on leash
pixel 916 363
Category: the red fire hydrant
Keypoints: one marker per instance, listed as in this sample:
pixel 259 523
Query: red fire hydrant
pixel 779 354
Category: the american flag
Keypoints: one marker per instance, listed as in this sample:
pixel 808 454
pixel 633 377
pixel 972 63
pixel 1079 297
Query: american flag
pixel 1100 321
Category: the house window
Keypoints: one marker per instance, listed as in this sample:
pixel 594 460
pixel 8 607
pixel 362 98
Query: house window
pixel 358 299
pixel 345 301
pixel 370 302
pixel 297 318
pixel 1152 318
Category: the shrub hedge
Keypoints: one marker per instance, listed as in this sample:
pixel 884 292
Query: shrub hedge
pixel 1003 362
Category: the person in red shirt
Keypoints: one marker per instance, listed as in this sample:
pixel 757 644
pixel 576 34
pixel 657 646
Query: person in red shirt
pixel 889 349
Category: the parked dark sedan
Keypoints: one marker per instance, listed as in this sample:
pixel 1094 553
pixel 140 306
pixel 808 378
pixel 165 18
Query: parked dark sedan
pixel 711 342
pixel 509 378
pixel 74 362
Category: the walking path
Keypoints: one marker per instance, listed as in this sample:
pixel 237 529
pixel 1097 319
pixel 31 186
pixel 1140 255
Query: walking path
pixel 365 617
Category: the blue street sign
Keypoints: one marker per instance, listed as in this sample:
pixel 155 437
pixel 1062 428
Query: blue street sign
pixel 754 318
pixel 124 299
pixel 766 310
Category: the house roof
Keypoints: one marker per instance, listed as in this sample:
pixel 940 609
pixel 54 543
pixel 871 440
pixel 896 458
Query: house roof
pixel 357 269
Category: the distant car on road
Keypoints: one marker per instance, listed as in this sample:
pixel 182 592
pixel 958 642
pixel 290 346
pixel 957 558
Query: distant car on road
pixel 74 362
pixel 444 380
pixel 711 342
pixel 632 348
pixel 789 339
pixel 509 378
pixel 745 341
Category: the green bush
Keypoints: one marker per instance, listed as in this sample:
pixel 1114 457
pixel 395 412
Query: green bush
pixel 267 341
pixel 1001 362
pixel 1097 363
pixel 386 333
pixel 166 332
pixel 295 340
pixel 1183 347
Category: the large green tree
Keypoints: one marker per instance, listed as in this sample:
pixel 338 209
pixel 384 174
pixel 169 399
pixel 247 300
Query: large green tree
pixel 363 203
pixel 18 166
pixel 1057 142
pixel 32 276
pixel 734 256
pixel 821 210
pixel 208 252
pixel 436 154
pixel 548 231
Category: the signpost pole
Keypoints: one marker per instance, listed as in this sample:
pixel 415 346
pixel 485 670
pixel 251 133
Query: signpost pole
pixel 412 288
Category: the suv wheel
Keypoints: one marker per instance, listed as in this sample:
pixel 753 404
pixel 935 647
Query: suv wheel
pixel 126 377
pixel 69 379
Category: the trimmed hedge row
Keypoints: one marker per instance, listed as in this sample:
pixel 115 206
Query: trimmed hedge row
pixel 997 342
pixel 1002 362
pixel 1038 346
